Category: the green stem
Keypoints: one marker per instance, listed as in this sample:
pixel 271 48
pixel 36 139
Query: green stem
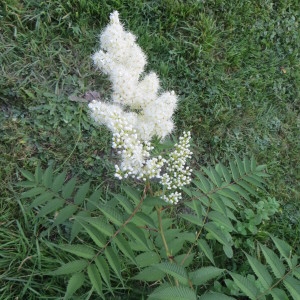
pixel 162 234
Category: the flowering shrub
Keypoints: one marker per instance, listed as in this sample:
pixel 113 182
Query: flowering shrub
pixel 138 112
pixel 121 236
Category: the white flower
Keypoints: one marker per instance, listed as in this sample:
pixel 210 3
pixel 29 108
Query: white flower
pixel 138 112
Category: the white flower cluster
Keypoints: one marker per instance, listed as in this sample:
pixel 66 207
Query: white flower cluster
pixel 124 61
pixel 177 173
pixel 138 112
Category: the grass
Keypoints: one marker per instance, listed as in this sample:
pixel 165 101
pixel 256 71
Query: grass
pixel 235 67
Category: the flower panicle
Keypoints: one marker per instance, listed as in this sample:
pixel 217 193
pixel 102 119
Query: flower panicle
pixel 138 112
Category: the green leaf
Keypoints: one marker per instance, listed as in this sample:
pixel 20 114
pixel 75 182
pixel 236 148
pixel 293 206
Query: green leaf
pixel 94 234
pixel 50 207
pixel 176 245
pixel 41 199
pixel 26 184
pixel 279 294
pixel 204 184
pixel 247 165
pixel 79 250
pixel 75 283
pixel 93 200
pixel 217 203
pixel 275 263
pixel 261 272
pixel 234 171
pixel 252 179
pixel 150 274
pixel 145 220
pixel 262 174
pixel 28 175
pixel 38 174
pixel 248 188
pixel 231 195
pixel 103 269
pixel 240 165
pixel 196 206
pixel 187 191
pixel 137 234
pixel 253 164
pixel 177 271
pixel 173 293
pixel 227 202
pixel 283 247
pixel 113 261
pixel 47 178
pixel 192 219
pixel 132 193
pixel 204 274
pixel 246 286
pixel 95 278
pixel 81 193
pixel 204 200
pixel 260 168
pixel 223 170
pixel 215 296
pixel 217 234
pixel 124 246
pixel 184 259
pixel 147 259
pixel 241 191
pixel 228 251
pixel 127 205
pixel 154 201
pixel 100 225
pixel 112 214
pixel 203 245
pixel 70 267
pixel 33 192
pixel 221 220
pixel 296 270
pixel 213 176
pixel 64 214
pixel 58 182
pixel 293 286
pixel 68 188
pixel 76 227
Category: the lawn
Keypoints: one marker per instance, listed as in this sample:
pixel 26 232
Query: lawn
pixel 234 64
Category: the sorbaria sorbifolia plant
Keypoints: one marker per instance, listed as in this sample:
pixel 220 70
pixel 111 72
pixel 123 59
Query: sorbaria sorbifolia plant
pixel 138 112
pixel 133 244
